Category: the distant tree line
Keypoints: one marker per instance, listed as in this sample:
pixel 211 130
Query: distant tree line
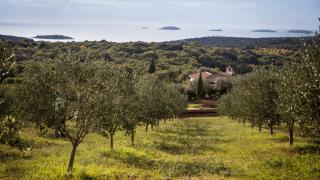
pixel 239 42
pixel 174 60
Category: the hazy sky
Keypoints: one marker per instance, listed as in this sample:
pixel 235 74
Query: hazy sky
pixel 188 13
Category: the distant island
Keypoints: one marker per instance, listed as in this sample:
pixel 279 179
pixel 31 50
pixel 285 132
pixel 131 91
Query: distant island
pixel 170 28
pixel 264 30
pixel 55 37
pixel 14 39
pixel 145 27
pixel 301 31
pixel 215 30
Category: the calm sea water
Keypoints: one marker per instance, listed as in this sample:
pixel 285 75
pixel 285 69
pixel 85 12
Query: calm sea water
pixel 125 33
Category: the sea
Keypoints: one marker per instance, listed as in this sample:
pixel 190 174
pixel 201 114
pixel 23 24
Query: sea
pixel 131 33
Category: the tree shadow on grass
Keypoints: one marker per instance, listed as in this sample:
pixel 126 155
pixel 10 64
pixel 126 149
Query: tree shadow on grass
pixel 184 145
pixel 13 172
pixel 192 138
pixel 191 131
pixel 194 168
pixel 137 160
pixel 46 144
pixel 170 168
pixel 306 149
pixel 11 156
pixel 281 139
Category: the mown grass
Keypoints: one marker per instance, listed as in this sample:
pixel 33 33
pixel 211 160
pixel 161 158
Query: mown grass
pixel 207 148
pixel 194 105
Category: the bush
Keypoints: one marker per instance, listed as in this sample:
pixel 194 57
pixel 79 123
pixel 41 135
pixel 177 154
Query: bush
pixel 10 133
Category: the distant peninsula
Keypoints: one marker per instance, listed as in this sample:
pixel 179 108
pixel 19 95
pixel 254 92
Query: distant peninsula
pixel 264 30
pixel 301 31
pixel 54 37
pixel 215 30
pixel 14 39
pixel 174 28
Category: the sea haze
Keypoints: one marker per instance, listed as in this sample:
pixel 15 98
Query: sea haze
pixel 130 32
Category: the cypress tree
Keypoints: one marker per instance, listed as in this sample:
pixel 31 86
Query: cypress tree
pixel 200 89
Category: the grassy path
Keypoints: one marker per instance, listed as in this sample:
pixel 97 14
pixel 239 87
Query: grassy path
pixel 211 148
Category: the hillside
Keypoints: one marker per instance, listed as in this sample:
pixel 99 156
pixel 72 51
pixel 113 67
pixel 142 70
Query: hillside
pixel 237 42
pixel 174 60
pixel 14 39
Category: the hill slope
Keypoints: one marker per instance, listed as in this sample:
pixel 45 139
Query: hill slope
pixel 238 42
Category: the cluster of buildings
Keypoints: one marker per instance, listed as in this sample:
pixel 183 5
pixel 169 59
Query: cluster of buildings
pixel 212 78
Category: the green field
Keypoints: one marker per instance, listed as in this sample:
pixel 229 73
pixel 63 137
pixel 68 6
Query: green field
pixel 204 148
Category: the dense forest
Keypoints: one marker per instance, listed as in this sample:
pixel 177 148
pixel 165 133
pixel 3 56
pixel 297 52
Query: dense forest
pixel 174 60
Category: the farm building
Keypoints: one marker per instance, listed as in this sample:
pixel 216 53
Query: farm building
pixel 212 78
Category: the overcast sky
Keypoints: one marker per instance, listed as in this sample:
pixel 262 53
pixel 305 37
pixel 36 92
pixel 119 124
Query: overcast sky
pixel 189 13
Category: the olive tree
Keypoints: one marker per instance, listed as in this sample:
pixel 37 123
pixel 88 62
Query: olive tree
pixel 174 102
pixel 148 100
pixel 299 89
pixel 309 94
pixel 239 103
pixel 150 90
pixel 159 100
pixel 62 95
pixel 112 101
pixel 10 127
pixel 130 105
pixel 265 83
pixel 288 105
pixel 254 98
pixel 6 61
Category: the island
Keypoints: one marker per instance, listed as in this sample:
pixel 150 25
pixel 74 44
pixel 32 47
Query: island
pixel 145 27
pixel 215 30
pixel 170 28
pixel 264 30
pixel 54 37
pixel 15 39
pixel 300 31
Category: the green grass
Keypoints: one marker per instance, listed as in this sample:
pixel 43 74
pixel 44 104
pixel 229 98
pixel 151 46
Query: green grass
pixel 211 148
pixel 194 105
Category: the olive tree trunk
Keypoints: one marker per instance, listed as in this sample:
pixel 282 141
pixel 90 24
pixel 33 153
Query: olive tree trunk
pixel 132 137
pixel 111 140
pixel 260 127
pixel 291 135
pixel 72 156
